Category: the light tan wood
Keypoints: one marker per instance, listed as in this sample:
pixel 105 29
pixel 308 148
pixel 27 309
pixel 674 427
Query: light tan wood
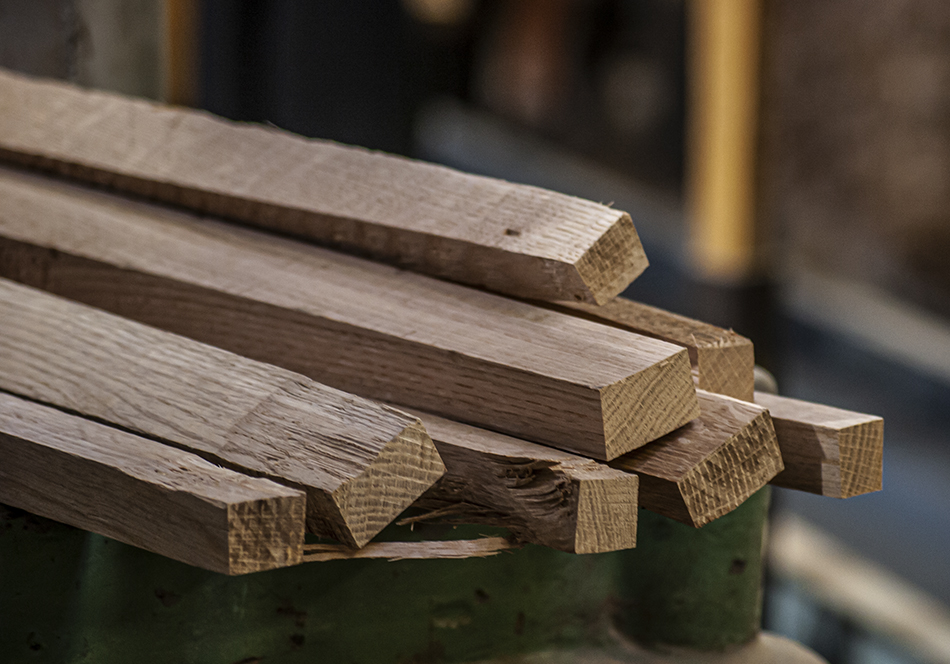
pixel 427 550
pixel 542 495
pixel 361 463
pixel 506 237
pixel 710 466
pixel 723 361
pixel 828 451
pixel 362 327
pixel 144 493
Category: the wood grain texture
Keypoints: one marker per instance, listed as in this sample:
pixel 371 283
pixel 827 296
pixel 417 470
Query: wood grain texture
pixel 363 327
pixel 722 360
pixel 506 237
pixel 710 466
pixel 542 495
pixel 144 493
pixel 426 550
pixel 828 451
pixel 360 463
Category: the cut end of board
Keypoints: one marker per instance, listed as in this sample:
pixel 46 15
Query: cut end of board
pixel 862 458
pixel 647 405
pixel 828 451
pixel 265 534
pixel 727 368
pixel 606 510
pixel 404 469
pixel 612 262
pixel 731 474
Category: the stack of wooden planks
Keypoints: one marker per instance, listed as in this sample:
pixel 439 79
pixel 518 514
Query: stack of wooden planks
pixel 213 391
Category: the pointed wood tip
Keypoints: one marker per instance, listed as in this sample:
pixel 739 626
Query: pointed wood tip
pixel 727 477
pixel 404 469
pixel 606 510
pixel 648 405
pixel 611 264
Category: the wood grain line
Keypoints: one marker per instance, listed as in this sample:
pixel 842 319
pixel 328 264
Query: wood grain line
pixel 425 550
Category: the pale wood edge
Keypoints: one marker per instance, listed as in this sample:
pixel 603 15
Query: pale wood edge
pixel 676 400
pixel 752 457
pixel 607 507
pixel 427 550
pixel 405 468
pixel 724 365
pixel 838 456
pixel 613 262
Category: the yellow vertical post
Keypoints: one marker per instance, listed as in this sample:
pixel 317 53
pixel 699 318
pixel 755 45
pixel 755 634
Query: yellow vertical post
pixel 181 52
pixel 724 59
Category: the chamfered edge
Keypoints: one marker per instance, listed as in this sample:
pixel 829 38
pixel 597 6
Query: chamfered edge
pixel 648 405
pixel 404 469
pixel 612 263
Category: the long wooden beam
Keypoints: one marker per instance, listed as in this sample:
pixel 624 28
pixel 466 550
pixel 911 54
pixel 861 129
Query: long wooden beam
pixel 825 450
pixel 544 496
pixel 710 466
pixel 360 463
pixel 506 237
pixel 723 361
pixel 144 493
pixel 362 327
pixel 828 451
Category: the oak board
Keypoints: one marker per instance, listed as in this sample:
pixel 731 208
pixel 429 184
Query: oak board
pixel 542 495
pixel 360 463
pixel 366 328
pixel 723 361
pixel 828 451
pixel 144 493
pixel 708 467
pixel 506 237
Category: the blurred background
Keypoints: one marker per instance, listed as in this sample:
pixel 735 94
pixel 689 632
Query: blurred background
pixel 786 162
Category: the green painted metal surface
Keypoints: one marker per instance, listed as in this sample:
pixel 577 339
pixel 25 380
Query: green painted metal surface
pixel 71 597
pixel 694 588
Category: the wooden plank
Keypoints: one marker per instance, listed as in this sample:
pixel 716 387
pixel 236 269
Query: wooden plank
pixel 144 493
pixel 825 450
pixel 723 361
pixel 828 451
pixel 356 325
pixel 360 463
pixel 506 237
pixel 710 466
pixel 542 495
pixel 426 550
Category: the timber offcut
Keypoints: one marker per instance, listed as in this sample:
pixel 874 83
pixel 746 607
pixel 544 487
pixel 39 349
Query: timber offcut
pixel 140 492
pixel 360 463
pixel 710 466
pixel 205 389
pixel 363 327
pixel 543 495
pixel 505 237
